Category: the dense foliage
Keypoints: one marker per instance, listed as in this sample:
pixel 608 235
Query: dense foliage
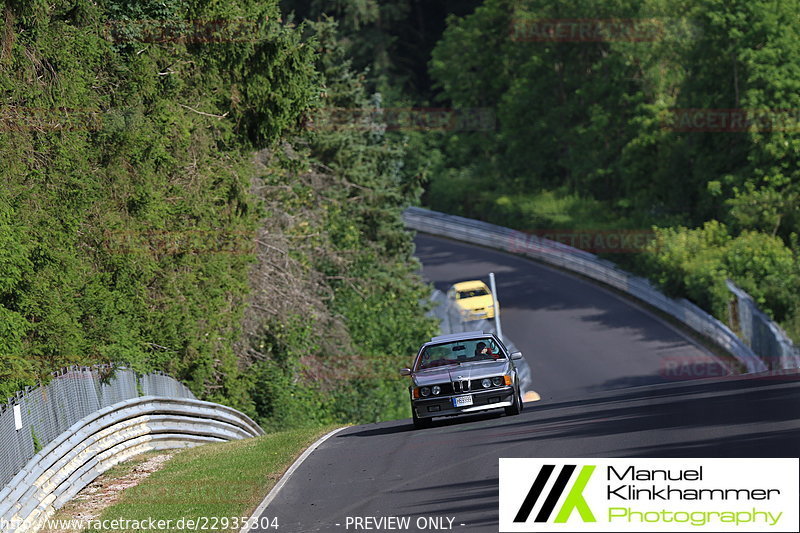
pixel 331 347
pixel 391 40
pixel 134 218
pixel 125 208
pixel 176 196
pixel 591 135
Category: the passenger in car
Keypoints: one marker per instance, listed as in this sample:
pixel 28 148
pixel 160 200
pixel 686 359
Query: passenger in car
pixel 483 351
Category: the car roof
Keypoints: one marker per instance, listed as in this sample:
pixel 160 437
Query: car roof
pixel 467 285
pixel 465 336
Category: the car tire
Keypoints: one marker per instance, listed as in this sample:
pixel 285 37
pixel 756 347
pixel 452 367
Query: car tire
pixel 420 423
pixel 516 407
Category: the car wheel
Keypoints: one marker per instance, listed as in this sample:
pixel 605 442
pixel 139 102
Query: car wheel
pixel 420 423
pixel 516 407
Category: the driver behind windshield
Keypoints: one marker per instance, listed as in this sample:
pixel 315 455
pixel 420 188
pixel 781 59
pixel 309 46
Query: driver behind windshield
pixel 481 350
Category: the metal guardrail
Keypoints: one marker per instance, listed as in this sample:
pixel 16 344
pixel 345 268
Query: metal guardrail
pixel 763 335
pixel 36 416
pixel 586 264
pixel 88 445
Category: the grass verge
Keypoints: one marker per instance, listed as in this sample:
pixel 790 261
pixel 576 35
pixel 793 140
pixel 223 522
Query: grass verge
pixel 217 485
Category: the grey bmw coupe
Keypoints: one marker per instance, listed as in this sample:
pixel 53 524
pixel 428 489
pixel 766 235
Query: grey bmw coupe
pixel 463 373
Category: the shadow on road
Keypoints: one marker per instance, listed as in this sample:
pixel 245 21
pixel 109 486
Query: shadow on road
pixel 403 426
pixel 692 407
pixel 742 417
pixel 780 443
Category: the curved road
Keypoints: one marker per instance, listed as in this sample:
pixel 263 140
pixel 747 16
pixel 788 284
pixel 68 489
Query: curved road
pixel 576 336
pixel 586 347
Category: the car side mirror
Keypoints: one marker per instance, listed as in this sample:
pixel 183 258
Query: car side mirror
pixel 516 355
pixel 405 371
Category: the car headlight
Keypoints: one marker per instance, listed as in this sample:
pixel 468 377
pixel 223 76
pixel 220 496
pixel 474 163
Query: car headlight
pixel 498 381
pixel 425 391
pixel 486 383
pixel 436 390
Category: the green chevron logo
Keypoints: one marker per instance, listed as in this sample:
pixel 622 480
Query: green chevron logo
pixel 574 500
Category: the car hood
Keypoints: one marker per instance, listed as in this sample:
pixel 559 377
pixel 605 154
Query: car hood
pixel 476 302
pixel 464 371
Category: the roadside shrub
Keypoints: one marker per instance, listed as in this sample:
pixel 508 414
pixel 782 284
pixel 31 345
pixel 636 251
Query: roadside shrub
pixel 696 262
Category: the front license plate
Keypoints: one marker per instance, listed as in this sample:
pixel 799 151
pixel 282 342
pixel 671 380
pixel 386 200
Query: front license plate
pixel 462 401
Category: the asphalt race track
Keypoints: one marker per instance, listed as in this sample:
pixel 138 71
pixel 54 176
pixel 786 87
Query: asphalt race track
pixel 576 336
pixel 587 348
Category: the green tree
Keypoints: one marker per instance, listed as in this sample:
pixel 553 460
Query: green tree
pixel 125 215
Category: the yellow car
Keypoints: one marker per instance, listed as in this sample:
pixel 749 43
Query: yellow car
pixel 473 298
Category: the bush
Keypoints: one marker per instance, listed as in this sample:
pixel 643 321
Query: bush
pixel 696 262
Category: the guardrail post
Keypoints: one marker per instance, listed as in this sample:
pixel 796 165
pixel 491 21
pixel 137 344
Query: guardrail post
pixel 496 306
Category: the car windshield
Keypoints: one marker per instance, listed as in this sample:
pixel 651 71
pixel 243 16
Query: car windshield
pixel 453 353
pixel 472 293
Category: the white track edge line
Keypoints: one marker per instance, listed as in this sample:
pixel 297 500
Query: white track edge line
pixel 284 479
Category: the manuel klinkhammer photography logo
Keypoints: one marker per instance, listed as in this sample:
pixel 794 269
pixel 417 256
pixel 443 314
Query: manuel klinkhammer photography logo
pixel 649 494
pixel 573 502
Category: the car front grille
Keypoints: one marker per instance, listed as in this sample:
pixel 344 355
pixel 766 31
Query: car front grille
pixel 461 386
